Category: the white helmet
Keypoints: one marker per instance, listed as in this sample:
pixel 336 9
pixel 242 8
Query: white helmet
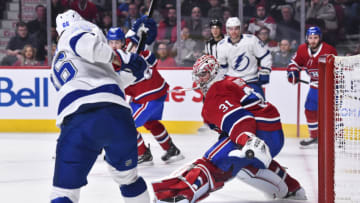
pixel 204 64
pixel 66 19
pixel 233 22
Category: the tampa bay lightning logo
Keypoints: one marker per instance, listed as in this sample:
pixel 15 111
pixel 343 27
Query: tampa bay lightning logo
pixel 240 61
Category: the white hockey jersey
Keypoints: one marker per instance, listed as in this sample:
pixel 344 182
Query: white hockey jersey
pixel 241 59
pixel 82 72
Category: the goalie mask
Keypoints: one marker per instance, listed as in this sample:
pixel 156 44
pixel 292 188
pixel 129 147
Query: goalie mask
pixel 204 72
pixel 66 19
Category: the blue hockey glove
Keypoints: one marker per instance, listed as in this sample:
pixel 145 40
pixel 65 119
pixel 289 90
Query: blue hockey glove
pixel 264 79
pixel 293 76
pixel 132 63
pixel 147 25
pixel 264 76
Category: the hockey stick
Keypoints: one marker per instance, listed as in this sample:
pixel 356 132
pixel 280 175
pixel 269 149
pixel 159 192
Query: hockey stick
pixel 304 81
pixel 183 90
pixel 143 34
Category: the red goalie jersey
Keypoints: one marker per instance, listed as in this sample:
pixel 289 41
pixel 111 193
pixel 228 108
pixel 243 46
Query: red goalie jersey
pixel 148 89
pixel 304 58
pixel 234 108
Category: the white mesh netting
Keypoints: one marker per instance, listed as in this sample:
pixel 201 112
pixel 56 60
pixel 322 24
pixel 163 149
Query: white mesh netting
pixel 347 128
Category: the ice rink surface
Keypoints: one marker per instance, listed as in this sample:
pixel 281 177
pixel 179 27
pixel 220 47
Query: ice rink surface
pixel 26 169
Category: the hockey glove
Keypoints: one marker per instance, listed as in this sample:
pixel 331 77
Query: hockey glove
pixel 264 76
pixel 254 148
pixel 293 76
pixel 146 25
pixel 135 64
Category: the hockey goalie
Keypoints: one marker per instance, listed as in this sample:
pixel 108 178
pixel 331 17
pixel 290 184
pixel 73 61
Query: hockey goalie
pixel 250 136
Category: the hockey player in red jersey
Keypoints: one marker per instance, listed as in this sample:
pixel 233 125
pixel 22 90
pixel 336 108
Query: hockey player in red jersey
pixel 148 96
pixel 307 56
pixel 250 136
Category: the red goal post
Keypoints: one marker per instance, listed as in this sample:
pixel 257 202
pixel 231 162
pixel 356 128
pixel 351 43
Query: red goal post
pixel 339 129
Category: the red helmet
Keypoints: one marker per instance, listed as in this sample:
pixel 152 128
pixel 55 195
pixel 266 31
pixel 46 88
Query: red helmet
pixel 205 64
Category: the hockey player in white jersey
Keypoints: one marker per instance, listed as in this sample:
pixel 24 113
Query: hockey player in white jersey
pixel 239 54
pixel 92 112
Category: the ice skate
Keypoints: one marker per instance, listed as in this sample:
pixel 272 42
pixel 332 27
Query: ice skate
pixel 146 158
pixel 299 194
pixel 309 143
pixel 172 154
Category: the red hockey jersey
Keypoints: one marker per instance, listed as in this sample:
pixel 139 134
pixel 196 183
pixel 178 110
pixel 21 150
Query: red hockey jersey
pixel 148 89
pixel 304 58
pixel 232 106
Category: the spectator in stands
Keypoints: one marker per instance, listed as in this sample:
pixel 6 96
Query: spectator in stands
pixel 163 55
pixel 215 11
pixel 282 57
pixel 106 22
pixel 288 27
pixel 132 15
pixel 167 27
pixel 249 9
pixel 144 9
pixel 262 20
pixel 86 9
pixel 195 24
pixel 17 43
pixel 226 14
pixel 27 57
pixel 352 17
pixel 263 34
pixel 37 28
pixel 39 23
pixel 57 6
pixel 53 50
pixel 324 11
pixel 188 5
pixel 184 49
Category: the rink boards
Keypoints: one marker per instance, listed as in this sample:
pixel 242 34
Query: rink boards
pixel 28 101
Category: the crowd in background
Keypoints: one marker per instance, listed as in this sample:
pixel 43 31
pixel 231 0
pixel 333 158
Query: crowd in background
pixel 276 23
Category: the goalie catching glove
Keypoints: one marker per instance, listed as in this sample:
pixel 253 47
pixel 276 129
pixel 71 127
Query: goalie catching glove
pixel 254 147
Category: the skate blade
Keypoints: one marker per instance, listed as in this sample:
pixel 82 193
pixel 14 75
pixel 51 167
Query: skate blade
pixel 146 163
pixel 175 158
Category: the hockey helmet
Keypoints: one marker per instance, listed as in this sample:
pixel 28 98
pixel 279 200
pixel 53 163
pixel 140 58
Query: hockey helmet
pixel 203 65
pixel 233 22
pixel 313 31
pixel 115 33
pixel 66 19
pixel 215 22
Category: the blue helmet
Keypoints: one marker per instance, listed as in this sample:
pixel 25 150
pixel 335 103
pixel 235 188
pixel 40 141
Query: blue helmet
pixel 115 33
pixel 313 31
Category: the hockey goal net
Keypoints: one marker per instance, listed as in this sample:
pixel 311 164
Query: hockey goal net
pixel 339 129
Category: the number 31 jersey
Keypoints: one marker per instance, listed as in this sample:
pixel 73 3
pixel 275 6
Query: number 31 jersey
pixel 234 108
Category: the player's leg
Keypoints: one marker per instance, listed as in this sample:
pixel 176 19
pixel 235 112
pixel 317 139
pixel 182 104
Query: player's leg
pixel 79 144
pixel 152 114
pixel 311 114
pixel 190 183
pixel 121 156
pixel 274 181
pixel 141 115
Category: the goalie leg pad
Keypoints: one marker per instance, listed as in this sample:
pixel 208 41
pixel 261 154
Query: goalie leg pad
pixel 195 183
pixel 265 180
pixel 63 195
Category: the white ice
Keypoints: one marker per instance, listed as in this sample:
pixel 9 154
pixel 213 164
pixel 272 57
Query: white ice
pixel 26 169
